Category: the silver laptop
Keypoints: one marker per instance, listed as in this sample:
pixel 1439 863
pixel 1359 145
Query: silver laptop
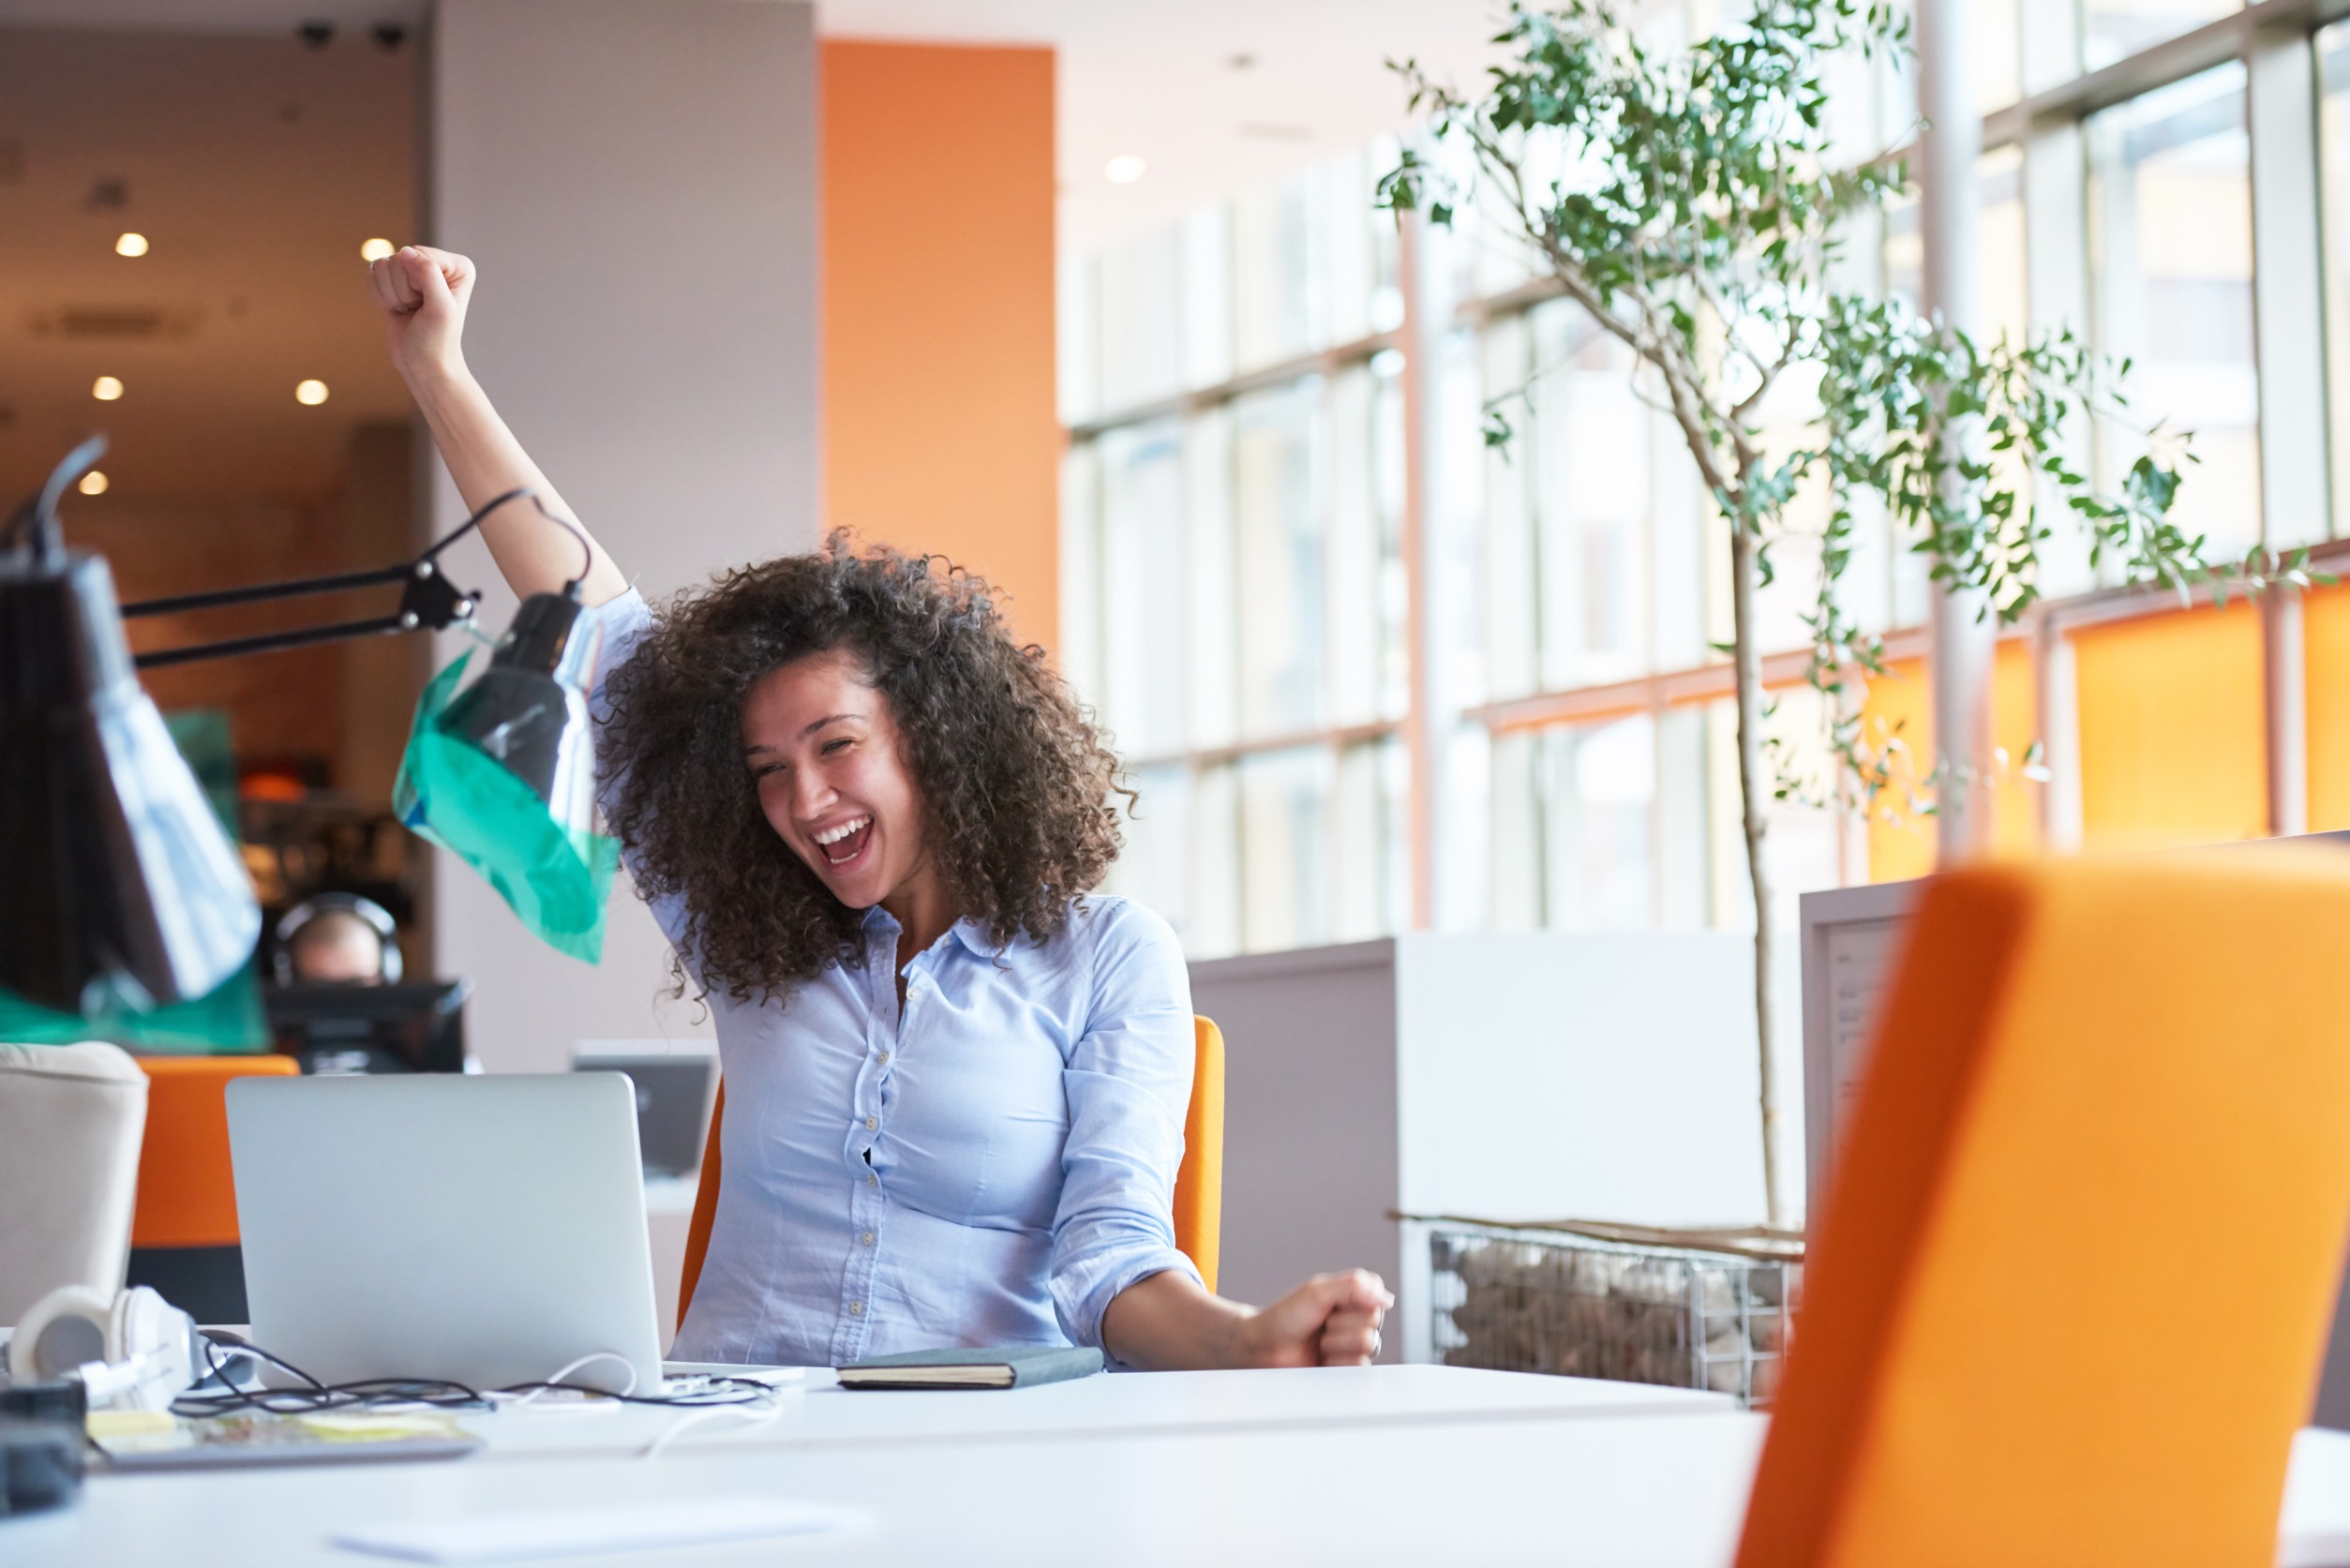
pixel 488 1230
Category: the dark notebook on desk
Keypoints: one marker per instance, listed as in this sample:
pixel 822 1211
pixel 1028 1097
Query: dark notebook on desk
pixel 1001 1366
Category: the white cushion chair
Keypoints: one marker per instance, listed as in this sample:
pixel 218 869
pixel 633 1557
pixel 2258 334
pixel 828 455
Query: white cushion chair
pixel 71 1117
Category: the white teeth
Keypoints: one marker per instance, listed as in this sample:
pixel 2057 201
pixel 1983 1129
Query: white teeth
pixel 834 835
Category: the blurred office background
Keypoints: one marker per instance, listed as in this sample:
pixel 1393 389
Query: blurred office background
pixel 1093 300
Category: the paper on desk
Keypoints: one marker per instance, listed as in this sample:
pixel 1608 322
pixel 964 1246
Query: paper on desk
pixel 574 1531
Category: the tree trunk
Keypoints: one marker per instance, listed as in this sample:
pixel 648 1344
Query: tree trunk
pixel 1754 796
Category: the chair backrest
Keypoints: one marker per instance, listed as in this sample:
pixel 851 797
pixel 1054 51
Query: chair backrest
pixel 2068 1298
pixel 186 1191
pixel 70 1117
pixel 1198 1196
pixel 1199 1193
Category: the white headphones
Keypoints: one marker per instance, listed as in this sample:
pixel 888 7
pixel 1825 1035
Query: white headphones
pixel 379 919
pixel 132 1351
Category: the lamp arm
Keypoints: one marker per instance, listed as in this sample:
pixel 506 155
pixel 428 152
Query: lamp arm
pixel 258 592
pixel 428 603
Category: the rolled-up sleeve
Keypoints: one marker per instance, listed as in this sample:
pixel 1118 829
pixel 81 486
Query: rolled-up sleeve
pixel 1128 1083
pixel 622 623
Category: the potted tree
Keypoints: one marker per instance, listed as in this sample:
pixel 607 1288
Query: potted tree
pixel 1688 201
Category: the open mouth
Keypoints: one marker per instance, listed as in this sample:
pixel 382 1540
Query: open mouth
pixel 841 844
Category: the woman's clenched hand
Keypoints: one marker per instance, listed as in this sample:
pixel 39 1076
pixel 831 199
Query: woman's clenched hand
pixel 424 293
pixel 1332 1320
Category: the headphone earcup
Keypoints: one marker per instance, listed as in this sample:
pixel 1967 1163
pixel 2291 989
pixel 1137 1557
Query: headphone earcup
pixel 393 965
pixel 68 1326
pixel 144 1324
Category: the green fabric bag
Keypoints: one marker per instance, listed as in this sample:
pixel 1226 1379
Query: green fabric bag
pixel 228 1018
pixel 555 878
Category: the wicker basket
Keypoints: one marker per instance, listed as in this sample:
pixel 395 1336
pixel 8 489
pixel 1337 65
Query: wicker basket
pixel 1576 1304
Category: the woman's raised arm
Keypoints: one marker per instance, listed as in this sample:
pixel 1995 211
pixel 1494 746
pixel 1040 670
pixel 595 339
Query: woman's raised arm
pixel 424 293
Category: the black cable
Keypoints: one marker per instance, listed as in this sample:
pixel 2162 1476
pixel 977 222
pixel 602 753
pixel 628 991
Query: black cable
pixel 472 522
pixel 440 1392
pixel 587 549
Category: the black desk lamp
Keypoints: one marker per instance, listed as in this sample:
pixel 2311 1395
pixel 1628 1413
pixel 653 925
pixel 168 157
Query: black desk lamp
pixel 118 890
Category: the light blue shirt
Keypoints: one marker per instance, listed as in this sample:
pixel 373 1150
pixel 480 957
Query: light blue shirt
pixel 991 1168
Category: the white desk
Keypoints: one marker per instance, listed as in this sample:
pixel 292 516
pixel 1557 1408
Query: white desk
pixel 1199 1404
pixel 1402 1484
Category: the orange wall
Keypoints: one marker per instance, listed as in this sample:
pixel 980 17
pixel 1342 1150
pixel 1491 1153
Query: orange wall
pixel 1900 703
pixel 939 428
pixel 2173 728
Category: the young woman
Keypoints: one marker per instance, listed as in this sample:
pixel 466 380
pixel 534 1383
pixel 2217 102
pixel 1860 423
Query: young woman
pixel 867 820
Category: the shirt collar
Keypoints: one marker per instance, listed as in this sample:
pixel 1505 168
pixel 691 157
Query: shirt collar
pixel 969 931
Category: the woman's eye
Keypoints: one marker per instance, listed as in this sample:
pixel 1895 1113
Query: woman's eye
pixel 764 768
pixel 831 746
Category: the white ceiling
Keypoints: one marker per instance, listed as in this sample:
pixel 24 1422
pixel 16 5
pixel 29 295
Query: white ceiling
pixel 1153 78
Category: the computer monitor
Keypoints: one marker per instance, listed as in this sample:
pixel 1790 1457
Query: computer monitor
pixel 338 1029
pixel 673 1082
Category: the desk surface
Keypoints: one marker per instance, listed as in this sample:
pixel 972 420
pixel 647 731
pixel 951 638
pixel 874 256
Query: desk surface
pixel 1517 1483
pixel 1202 1403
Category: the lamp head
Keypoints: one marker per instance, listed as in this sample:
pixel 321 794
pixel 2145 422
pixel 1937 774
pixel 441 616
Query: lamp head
pixel 118 890
pixel 529 710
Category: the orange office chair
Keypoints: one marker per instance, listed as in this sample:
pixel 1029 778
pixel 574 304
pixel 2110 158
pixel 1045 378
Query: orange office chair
pixel 1199 1194
pixel 2068 1298
pixel 183 1230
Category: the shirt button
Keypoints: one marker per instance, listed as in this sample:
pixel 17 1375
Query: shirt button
pixel 856 1309
pixel 885 1058
pixel 866 1238
pixel 872 1122
pixel 872 1180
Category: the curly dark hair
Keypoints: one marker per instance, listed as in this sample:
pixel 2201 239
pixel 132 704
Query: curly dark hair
pixel 1016 779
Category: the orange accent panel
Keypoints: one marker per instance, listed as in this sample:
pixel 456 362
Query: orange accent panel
pixel 1199 1190
pixel 940 429
pixel 1900 705
pixel 1994 1363
pixel 1199 1195
pixel 2172 725
pixel 2326 674
pixel 187 1188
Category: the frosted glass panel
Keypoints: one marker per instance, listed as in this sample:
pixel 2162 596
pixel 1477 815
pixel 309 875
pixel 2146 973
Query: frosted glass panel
pixel 2111 29
pixel 1280 515
pixel 1142 562
pixel 1285 847
pixel 2170 229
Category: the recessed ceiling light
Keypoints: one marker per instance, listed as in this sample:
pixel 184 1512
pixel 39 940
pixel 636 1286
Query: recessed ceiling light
pixel 310 393
pixel 374 250
pixel 92 483
pixel 105 389
pixel 132 245
pixel 1124 170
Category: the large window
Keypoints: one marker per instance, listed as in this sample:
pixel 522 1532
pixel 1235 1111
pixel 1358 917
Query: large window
pixel 2171 250
pixel 1371 674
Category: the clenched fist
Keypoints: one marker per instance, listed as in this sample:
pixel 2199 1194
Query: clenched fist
pixel 1332 1320
pixel 424 293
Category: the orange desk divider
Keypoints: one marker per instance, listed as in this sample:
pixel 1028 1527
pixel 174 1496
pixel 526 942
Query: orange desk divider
pixel 2068 1299
pixel 186 1192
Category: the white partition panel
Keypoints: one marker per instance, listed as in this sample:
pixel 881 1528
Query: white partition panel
pixel 636 179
